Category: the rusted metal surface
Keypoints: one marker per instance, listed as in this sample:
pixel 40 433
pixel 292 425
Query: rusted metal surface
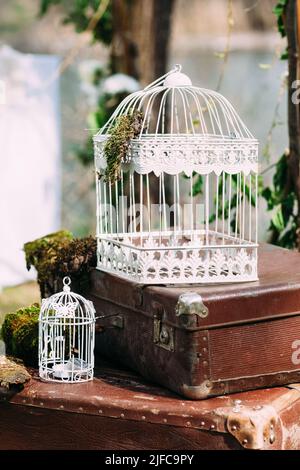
pixel 254 428
pixel 119 403
pixel 203 341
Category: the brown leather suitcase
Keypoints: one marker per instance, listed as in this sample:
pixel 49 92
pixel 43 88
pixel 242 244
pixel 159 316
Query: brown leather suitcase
pixel 203 341
pixel 120 411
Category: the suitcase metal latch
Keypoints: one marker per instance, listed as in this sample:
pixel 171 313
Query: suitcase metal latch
pixel 191 303
pixel 163 335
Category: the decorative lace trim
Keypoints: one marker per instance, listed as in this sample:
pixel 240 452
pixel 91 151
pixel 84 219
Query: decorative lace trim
pixel 173 266
pixel 174 155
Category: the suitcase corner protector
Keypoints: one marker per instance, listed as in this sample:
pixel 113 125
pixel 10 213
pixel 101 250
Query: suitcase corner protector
pixel 191 303
pixel 197 392
pixel 253 428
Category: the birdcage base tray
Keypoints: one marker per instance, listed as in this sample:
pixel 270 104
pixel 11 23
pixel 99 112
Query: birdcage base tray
pixel 191 258
pixel 180 282
pixel 66 372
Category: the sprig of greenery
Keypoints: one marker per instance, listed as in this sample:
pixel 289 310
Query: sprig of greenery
pixel 283 225
pixel 279 12
pixel 79 14
pixel 106 105
pixel 126 127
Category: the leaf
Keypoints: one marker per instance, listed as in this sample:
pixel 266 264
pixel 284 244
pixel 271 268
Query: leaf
pixel 92 121
pixel 79 13
pixel 278 220
pixel 219 55
pixel 288 205
pixel 212 218
pixel 284 55
pixel 45 4
pixel 280 175
pixel 279 11
pixel 198 186
pixel 267 194
pixel 265 66
pixel 288 239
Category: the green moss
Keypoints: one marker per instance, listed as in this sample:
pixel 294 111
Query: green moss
pixel 25 341
pixel 42 253
pixel 20 334
pixel 127 127
pixel 57 255
pixel 7 330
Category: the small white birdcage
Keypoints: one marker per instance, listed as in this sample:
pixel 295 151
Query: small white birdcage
pixel 151 227
pixel 66 337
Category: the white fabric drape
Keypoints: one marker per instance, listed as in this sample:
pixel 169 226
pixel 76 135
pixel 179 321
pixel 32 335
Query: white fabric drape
pixel 30 157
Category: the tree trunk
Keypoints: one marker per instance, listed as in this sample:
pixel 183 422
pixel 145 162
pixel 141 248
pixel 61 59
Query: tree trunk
pixel 123 48
pixel 141 37
pixel 292 26
pixel 140 46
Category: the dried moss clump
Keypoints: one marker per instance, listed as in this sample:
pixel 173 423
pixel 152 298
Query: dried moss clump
pixel 127 127
pixel 20 334
pixel 57 255
pixel 12 373
pixel 76 259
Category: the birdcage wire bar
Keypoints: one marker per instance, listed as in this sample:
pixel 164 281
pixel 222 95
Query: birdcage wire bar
pixel 210 238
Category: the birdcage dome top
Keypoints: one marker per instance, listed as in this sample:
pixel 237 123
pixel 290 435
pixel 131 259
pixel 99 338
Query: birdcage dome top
pixel 184 128
pixel 67 305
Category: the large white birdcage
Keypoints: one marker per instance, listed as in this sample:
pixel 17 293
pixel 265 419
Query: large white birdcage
pixel 182 207
pixel 66 337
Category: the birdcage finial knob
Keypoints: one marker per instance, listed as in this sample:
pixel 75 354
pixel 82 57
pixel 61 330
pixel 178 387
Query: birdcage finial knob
pixel 66 283
pixel 176 78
